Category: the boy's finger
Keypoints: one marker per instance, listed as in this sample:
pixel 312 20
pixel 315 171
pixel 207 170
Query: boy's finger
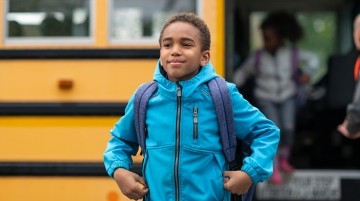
pixel 140 192
pixel 142 181
pixel 227 186
pixel 226 174
pixel 135 196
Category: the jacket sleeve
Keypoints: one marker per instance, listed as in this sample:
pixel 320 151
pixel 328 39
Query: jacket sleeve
pixel 123 142
pixel 353 112
pixel 260 133
pixel 246 70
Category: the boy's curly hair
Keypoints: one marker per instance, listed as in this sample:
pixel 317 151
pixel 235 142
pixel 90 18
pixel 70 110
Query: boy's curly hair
pixel 194 20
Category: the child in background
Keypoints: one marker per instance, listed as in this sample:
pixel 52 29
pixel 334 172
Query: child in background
pixel 350 128
pixel 276 81
pixel 177 166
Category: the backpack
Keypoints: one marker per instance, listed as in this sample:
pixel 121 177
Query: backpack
pixel 220 94
pixel 301 95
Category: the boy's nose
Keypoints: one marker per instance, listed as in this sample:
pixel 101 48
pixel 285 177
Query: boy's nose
pixel 175 51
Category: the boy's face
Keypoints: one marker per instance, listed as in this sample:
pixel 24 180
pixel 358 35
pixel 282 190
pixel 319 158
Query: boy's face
pixel 180 51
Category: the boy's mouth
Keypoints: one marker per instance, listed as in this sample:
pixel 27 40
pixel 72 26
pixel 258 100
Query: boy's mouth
pixel 176 61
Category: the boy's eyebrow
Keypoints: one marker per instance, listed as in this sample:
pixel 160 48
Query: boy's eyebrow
pixel 165 39
pixel 187 39
pixel 181 39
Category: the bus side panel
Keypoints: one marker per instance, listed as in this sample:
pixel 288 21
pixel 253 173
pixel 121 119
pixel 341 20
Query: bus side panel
pixel 55 138
pixel 107 80
pixel 60 189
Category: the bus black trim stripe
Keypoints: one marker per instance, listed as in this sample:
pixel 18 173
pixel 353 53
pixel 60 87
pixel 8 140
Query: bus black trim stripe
pixel 58 108
pixel 57 169
pixel 80 54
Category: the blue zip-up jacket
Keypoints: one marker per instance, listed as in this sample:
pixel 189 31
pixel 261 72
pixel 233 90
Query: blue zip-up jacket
pixel 184 158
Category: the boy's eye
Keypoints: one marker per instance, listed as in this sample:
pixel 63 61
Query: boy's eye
pixel 188 45
pixel 166 44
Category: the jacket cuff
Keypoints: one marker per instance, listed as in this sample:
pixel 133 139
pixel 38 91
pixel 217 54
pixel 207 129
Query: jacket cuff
pixel 115 165
pixel 251 172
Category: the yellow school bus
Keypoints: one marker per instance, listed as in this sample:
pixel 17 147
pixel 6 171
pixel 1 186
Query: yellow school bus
pixel 67 69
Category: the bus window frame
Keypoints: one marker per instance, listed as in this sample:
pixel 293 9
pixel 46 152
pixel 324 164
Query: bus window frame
pixel 52 40
pixel 337 6
pixel 148 41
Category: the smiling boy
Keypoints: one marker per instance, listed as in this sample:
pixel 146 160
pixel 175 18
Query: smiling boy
pixel 179 165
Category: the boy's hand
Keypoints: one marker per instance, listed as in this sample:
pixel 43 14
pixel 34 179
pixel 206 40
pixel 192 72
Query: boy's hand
pixel 128 183
pixel 237 182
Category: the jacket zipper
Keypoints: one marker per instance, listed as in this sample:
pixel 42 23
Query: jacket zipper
pixel 145 159
pixel 177 146
pixel 195 123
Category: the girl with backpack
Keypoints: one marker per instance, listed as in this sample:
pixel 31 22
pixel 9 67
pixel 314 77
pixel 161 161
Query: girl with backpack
pixel 279 69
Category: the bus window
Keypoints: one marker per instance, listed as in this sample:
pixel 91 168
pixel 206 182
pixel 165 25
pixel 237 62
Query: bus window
pixel 138 21
pixel 319 27
pixel 320 31
pixel 44 20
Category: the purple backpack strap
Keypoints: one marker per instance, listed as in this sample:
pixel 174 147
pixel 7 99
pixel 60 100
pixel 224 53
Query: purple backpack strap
pixel 257 60
pixel 295 63
pixel 141 99
pixel 224 111
pixel 221 97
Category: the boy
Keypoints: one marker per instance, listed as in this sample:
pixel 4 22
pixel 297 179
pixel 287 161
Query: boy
pixel 183 161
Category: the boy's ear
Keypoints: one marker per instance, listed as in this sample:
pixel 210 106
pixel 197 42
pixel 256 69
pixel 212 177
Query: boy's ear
pixel 205 57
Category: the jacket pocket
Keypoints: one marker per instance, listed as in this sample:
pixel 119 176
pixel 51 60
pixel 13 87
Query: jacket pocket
pixel 203 167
